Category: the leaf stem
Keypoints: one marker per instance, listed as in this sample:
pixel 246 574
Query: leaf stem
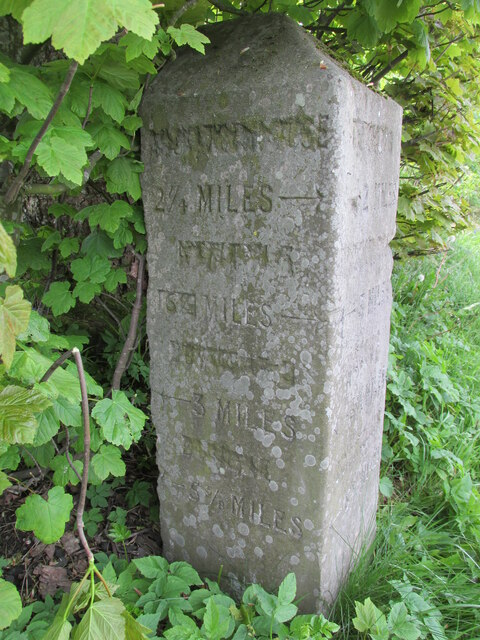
pixel 102 580
pixel 55 365
pixel 17 184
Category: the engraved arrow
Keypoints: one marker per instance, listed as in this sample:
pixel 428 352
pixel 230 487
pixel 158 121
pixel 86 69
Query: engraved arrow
pixel 318 196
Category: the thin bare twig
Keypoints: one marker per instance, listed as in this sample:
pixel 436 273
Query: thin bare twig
pixel 17 184
pixel 86 454
pixel 56 364
pixel 132 330
pixel 67 453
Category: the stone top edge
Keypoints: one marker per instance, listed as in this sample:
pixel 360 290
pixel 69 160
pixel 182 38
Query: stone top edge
pixel 245 48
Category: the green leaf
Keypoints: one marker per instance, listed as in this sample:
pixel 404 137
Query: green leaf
pixel 109 217
pixel 133 629
pixel 59 298
pixel 386 487
pixel 399 624
pixel 86 291
pixel 216 620
pixel 98 243
pixel 11 606
pixel 38 329
pixel 68 246
pixel 122 235
pixel 109 139
pixel 137 16
pixel 46 518
pixel 114 278
pixel 64 473
pixel 187 34
pixel 288 589
pixel 14 7
pixel 107 461
pixel 122 177
pixel 68 413
pixel 48 426
pixel 8 253
pixel 91 268
pixel 17 409
pixel 186 572
pixel 111 100
pixel 30 365
pixel 59 629
pixel 151 566
pixel 4 483
pixel 14 317
pixel 58 157
pixel 362 27
pixel 136 46
pixel 388 14
pixel 369 617
pixel 121 422
pixel 52 239
pixel 30 91
pixel 103 621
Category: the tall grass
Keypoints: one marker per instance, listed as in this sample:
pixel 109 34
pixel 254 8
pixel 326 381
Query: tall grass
pixel 427 549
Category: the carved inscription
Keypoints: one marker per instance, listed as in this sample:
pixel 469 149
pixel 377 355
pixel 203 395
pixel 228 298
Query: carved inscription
pixel 227 360
pixel 308 132
pixel 214 255
pixel 216 310
pixel 222 415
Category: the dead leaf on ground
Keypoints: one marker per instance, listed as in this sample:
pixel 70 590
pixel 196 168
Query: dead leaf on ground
pixel 51 579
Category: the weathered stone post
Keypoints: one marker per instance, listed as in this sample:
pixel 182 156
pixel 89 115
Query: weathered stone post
pixel 270 191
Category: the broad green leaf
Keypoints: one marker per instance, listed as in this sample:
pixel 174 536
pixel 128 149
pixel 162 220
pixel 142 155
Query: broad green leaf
pixel 64 473
pixel 59 298
pixel 368 617
pixel 30 91
pixel 46 518
pixel 288 589
pixel 58 157
pixel 8 253
pixel 362 27
pixel 7 104
pixel 187 34
pixel 17 409
pixel 69 413
pixel 398 623
pixel 122 177
pixel 111 100
pixel 388 14
pixel 91 268
pixel 107 461
pixel 186 572
pixel 132 123
pixel 53 238
pixel 136 46
pixel 11 603
pixel 48 427
pixel 60 629
pixel 14 317
pixel 68 246
pixel 9 457
pixel 103 621
pixel 4 482
pixel 386 486
pixel 151 566
pixel 109 139
pixel 134 630
pixel 216 620
pixel 137 16
pixel 14 7
pixel 38 329
pixel 109 217
pixel 114 278
pixel 93 388
pixel 86 291
pixel 121 422
pixel 123 235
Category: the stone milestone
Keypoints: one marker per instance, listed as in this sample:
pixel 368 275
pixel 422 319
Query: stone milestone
pixel 270 192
